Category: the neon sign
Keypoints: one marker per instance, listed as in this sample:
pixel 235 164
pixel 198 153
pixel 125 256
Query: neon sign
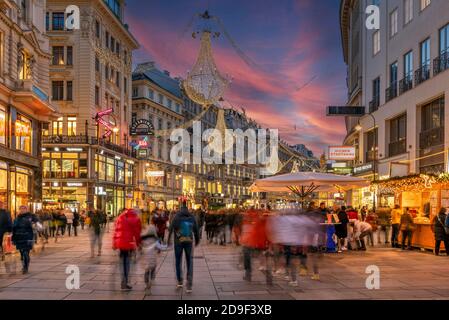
pixel 107 124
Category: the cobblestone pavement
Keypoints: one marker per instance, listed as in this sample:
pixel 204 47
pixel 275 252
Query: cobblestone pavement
pixel 217 275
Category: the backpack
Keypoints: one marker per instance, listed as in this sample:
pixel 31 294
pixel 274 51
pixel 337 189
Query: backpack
pixel 185 231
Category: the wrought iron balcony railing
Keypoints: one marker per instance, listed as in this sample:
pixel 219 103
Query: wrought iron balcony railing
pixel 405 85
pixel 374 104
pixel 441 63
pixel 397 147
pixel 391 92
pixel 422 74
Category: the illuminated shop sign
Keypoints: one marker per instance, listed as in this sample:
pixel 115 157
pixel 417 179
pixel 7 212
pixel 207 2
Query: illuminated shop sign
pixel 155 173
pixel 365 168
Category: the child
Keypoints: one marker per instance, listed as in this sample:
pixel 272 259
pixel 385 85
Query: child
pixel 151 245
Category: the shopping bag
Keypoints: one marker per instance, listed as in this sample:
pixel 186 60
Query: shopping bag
pixel 8 247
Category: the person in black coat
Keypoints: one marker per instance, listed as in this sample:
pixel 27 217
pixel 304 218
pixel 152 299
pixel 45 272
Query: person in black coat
pixel 440 233
pixel 5 225
pixel 23 235
pixel 76 222
pixel 341 230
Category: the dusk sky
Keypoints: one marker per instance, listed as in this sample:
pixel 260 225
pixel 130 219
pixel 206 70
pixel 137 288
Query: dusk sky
pixel 291 41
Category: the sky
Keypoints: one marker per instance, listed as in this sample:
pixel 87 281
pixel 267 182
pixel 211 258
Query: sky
pixel 295 46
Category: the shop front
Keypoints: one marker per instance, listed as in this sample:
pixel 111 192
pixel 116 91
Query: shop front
pixel 423 195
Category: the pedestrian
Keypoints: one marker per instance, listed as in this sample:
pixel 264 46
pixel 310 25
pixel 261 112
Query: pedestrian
pixel 76 222
pixel 151 246
pixel 439 229
pixel 83 219
pixel 23 235
pixel 395 222
pixel 127 239
pixel 96 230
pixel 363 213
pixel 69 217
pixel 62 223
pixel 5 226
pixel 371 218
pixel 362 229
pixel 341 229
pixel 384 222
pixel 160 219
pixel 407 226
pixel 185 230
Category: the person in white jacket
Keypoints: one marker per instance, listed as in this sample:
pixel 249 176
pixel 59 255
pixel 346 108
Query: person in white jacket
pixel 361 230
pixel 150 247
pixel 69 216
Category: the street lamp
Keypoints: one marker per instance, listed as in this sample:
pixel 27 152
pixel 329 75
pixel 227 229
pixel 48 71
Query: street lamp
pixel 358 127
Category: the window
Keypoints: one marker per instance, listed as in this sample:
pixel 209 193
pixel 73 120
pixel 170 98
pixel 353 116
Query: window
pixel 57 127
pixel 376 89
pixel 47 21
pixel 125 84
pixel 117 79
pixel 3 124
pixel 432 115
pixel 178 108
pixel 425 4
pixel 24 72
pixel 97 64
pixel 117 48
pixel 71 126
pixel 376 42
pixel 425 53
pixel 97 29
pixel 106 72
pixel 125 56
pixel 70 56
pixel 444 40
pixel 58 90
pixel 97 96
pixel 151 94
pixel 107 40
pixel 112 44
pixel 135 92
pixel 408 66
pixel 23 133
pixel 58 20
pixel 69 91
pixel 169 103
pixel 58 55
pixel 408 11
pixel 394 23
pixel 398 135
pixel 23 9
pixel 110 170
pixel 393 73
pixel 159 124
pixel 161 99
pixel 371 145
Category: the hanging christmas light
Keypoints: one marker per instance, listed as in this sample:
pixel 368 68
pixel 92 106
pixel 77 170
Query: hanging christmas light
pixel 204 83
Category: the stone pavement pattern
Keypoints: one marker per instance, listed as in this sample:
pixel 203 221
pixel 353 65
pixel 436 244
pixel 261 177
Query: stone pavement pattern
pixel 403 275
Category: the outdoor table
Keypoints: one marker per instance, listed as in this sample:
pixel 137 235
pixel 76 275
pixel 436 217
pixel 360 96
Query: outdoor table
pixel 330 230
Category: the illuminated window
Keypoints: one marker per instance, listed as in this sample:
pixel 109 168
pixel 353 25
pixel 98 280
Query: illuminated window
pixel 23 66
pixel 23 134
pixel 58 55
pixel 3 123
pixel 71 126
pixel 57 127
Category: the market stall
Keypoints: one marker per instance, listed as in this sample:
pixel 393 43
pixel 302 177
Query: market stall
pixel 423 195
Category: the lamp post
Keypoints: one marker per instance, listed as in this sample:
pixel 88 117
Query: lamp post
pixel 359 128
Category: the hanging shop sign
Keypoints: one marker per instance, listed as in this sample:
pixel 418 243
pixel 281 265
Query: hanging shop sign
pixel 341 153
pixel 364 168
pixel 356 111
pixel 141 127
pixel 99 191
pixel 142 153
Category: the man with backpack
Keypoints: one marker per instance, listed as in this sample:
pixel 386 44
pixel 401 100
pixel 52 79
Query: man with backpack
pixel 185 228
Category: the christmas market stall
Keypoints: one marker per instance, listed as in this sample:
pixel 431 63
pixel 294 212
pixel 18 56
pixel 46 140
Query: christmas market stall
pixel 423 195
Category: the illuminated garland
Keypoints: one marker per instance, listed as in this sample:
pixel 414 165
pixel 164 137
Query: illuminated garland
pixel 414 183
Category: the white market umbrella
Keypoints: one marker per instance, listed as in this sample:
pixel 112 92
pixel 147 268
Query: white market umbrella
pixel 305 183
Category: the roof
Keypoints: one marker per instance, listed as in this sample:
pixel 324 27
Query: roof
pixel 160 78
pixel 345 6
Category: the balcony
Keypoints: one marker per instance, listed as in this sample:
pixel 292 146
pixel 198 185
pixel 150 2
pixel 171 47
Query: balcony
pixel 441 63
pixel 374 104
pixel 82 139
pixel 397 147
pixel 391 92
pixel 431 138
pixel 405 85
pixel 422 74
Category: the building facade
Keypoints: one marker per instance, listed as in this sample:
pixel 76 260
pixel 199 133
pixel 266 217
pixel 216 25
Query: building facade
pixel 158 106
pixel 86 156
pixel 24 101
pixel 400 75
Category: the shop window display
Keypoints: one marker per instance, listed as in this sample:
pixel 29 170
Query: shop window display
pixel 23 134
pixel 3 124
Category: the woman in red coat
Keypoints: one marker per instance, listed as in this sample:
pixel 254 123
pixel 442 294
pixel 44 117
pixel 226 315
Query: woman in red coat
pixel 127 239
